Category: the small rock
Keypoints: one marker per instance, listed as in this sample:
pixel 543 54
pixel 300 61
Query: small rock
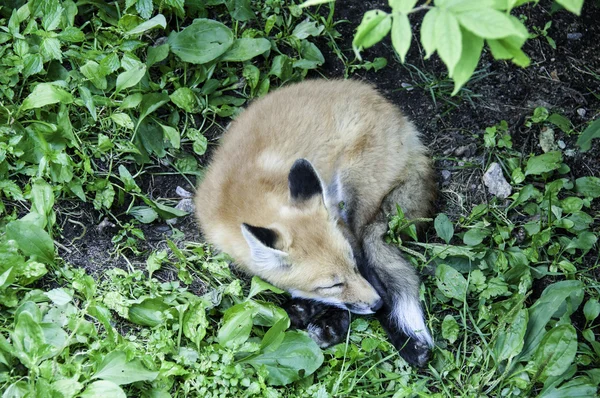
pixel 495 182
pixel 574 36
pixel 186 204
pixel 547 140
pixel 183 193
pixel 461 150
pixel 581 112
pixel 561 144
pixel 407 86
pixel 446 174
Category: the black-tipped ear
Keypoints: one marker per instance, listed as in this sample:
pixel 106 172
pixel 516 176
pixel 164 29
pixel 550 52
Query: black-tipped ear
pixel 303 181
pixel 266 236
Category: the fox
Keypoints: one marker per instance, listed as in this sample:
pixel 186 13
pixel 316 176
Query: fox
pixel 299 192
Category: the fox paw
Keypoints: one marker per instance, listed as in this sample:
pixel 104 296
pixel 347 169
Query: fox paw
pixel 329 327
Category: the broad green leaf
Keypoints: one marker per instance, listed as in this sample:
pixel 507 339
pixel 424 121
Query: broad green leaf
pixel 374 26
pixel 448 39
pixel 154 261
pixel 150 312
pixel 474 236
pixel 150 103
pixel 130 78
pixel 579 387
pixel 488 23
pixel 451 282
pixel 469 58
pixel 537 165
pixel 32 240
pixel 309 3
pixel 591 309
pixel 311 56
pixel 572 5
pixel 171 135
pixel 195 323
pixel 403 6
pixel 157 54
pixel 588 186
pixel 296 357
pixel 116 369
pixel 123 120
pixel 184 98
pixel 443 227
pixel 88 101
pixel 509 342
pixel 32 64
pixel 28 340
pixel 245 49
pixel 93 71
pixel 59 296
pixel 551 300
pixel 258 285
pixel 585 139
pixel 46 94
pixel 450 329
pixel 157 21
pixel 240 10
pixel 202 41
pixel 307 28
pixel 556 351
pixel 275 335
pixel 165 212
pixel 428 28
pixel 237 324
pixel 70 387
pixel 401 35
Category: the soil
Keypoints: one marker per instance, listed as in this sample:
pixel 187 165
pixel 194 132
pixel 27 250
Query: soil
pixel 565 80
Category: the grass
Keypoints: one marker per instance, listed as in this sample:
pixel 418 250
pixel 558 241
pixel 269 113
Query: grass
pixel 105 111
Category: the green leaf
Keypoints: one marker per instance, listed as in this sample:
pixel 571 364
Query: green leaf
pixel 585 139
pixel 591 309
pixel 123 120
pixel 93 71
pixel 579 387
pixel 184 98
pixel 103 389
pixel 443 227
pixel 488 23
pixel 116 369
pixel 237 324
pixel 32 240
pixel 309 3
pixel 240 10
pixel 428 28
pixel 472 45
pixel 157 21
pixel 588 186
pixel 451 282
pixel 165 212
pixel 552 298
pixel 307 28
pixel 88 101
pixel 150 312
pixel 474 236
pixel 275 335
pixel 171 135
pixel 28 339
pixel 537 165
pixel 201 42
pixel 59 296
pixel 572 5
pixel 556 351
pixel 258 285
pixel 374 26
pixel 448 39
pixel 46 94
pixel 32 64
pixel 143 214
pixel 450 329
pixel 157 54
pixel 296 357
pixel 130 78
pixel 245 49
pixel 195 323
pixel 509 342
pixel 403 6
pixel 401 35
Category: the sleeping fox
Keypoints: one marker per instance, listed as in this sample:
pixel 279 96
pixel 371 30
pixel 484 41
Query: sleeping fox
pixel 299 193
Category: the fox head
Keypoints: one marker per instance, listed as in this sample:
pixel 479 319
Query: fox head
pixel 305 252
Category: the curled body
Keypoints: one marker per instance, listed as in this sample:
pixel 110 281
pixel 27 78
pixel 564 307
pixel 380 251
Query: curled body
pixel 299 192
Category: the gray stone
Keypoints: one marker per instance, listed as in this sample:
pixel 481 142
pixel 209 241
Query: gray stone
pixel 495 182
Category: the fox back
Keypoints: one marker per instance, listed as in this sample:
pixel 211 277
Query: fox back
pixel 294 171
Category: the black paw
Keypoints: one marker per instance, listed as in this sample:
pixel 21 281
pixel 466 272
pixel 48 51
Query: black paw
pixel 325 324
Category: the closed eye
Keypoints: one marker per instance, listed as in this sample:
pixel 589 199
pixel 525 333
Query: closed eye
pixel 336 286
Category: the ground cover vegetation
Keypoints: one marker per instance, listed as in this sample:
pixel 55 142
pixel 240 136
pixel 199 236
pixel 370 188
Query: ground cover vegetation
pixel 108 113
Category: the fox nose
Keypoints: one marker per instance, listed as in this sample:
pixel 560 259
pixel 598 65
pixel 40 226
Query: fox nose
pixel 377 306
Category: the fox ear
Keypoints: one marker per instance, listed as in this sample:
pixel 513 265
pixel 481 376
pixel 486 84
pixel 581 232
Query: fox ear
pixel 303 181
pixel 262 246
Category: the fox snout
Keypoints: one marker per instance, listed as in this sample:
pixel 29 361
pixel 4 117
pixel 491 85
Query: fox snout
pixel 365 308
